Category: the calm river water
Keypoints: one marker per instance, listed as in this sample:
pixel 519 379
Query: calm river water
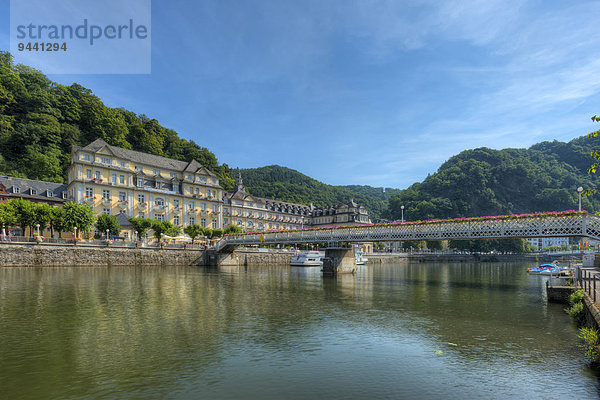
pixel 449 331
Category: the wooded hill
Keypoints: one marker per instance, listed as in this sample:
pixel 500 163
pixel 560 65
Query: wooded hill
pixel 40 120
pixel 483 182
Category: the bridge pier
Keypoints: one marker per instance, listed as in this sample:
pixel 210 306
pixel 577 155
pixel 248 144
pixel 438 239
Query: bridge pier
pixel 339 260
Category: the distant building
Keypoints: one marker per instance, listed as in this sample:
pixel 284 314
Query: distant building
pixel 544 243
pixel 253 213
pixel 28 189
pixel 345 214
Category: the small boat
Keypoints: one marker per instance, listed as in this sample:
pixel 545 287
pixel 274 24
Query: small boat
pixel 360 258
pixel 549 269
pixel 307 259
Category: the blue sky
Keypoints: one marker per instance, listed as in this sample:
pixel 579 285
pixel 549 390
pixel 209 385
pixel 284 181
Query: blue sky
pixel 362 92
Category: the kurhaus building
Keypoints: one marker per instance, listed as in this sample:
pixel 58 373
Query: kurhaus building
pixel 128 183
pixel 256 213
pixel 116 181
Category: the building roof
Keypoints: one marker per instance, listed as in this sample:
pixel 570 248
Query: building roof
pixel 123 219
pixel 147 159
pixel 42 188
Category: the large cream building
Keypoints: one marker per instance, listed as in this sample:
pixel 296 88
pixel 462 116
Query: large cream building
pixel 253 213
pixel 117 181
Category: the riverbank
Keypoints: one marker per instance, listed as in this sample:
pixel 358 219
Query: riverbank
pixel 20 255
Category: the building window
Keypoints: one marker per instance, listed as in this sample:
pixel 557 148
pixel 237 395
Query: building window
pixel 159 202
pixel 122 196
pixel 239 222
pixel 203 206
pixel 214 224
pixel 191 205
pixel 192 220
pixel 176 187
pixel 176 203
pixel 97 175
pixel 106 211
pixel 33 191
pixel 157 184
pixel 141 214
pixel 226 221
pixel 173 175
pixel 203 222
pixel 126 235
pixel 88 174
pixel 106 194
pixel 176 220
pixel 140 182
pixel 191 190
pixel 215 208
pixel 113 179
pixel 159 217
pixel 141 198
pixel 122 179
pixel 137 168
pixel 156 171
pixel 86 157
pixel 197 190
pixel 89 192
pixel 106 160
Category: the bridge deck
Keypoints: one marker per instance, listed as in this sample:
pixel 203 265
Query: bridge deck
pixel 550 224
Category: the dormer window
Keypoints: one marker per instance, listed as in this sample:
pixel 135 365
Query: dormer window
pixel 173 175
pixel 123 164
pixel 64 195
pixel 105 160
pixel 156 172
pixel 138 168
pixel 33 191
pixel 49 193
pixel 16 189
pixel 86 157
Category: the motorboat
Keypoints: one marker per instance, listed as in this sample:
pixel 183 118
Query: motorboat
pixel 360 258
pixel 307 259
pixel 550 269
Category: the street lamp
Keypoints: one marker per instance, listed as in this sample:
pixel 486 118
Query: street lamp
pixel 107 234
pixel 579 190
pixel 402 209
pixel 38 228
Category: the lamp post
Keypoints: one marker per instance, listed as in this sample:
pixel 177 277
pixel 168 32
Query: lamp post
pixel 579 190
pixel 38 229
pixel 107 234
pixel 402 219
pixel 75 234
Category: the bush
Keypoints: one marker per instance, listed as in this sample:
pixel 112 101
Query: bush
pixel 577 313
pixel 590 344
pixel 576 297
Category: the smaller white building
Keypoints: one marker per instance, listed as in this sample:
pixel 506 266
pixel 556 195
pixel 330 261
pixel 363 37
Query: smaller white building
pixel 544 243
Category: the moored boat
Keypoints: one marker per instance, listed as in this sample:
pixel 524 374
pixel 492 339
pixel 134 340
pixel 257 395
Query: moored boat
pixel 307 259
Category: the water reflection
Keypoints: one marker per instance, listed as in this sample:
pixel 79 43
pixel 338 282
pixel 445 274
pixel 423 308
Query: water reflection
pixel 426 330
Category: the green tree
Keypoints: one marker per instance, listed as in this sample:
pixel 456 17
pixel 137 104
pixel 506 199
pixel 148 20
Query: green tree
pixel 140 226
pixel 58 221
pixel 7 215
pixel 193 231
pixel 108 222
pixel 24 212
pixel 78 216
pixel 42 215
pixel 233 229
pixel 217 233
pixel 173 231
pixel 161 228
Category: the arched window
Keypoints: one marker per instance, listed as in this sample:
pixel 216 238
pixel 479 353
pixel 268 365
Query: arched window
pixel 159 201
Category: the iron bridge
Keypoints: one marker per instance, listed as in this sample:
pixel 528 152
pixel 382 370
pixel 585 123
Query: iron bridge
pixel 550 224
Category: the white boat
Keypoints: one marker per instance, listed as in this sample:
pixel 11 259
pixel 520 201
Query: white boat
pixel 307 259
pixel 360 258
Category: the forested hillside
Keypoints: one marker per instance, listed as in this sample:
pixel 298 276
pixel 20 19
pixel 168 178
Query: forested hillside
pixel 40 120
pixel 490 182
pixel 286 184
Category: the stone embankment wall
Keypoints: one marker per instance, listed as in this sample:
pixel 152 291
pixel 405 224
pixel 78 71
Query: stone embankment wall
pixel 455 257
pixel 46 255
pixel 249 258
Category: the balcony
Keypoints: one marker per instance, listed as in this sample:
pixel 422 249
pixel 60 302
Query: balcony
pixel 106 202
pixel 192 210
pixel 142 205
pixel 89 199
pixel 159 207
pixel 177 209
pixel 123 203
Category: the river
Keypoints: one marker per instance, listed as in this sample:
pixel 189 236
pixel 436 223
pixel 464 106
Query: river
pixel 451 331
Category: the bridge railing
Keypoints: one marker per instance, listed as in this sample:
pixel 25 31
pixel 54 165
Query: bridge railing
pixel 557 224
